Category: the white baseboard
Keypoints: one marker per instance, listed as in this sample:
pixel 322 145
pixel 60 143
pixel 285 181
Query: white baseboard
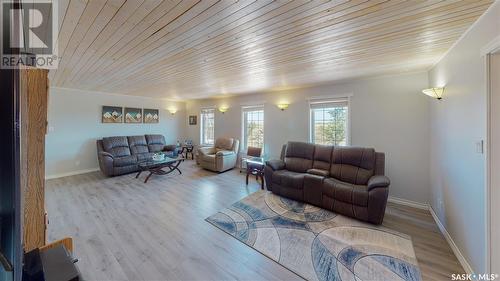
pixel 55 176
pixel 409 203
pixel 454 247
pixel 447 236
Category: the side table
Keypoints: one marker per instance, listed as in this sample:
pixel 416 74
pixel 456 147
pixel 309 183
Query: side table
pixel 187 150
pixel 255 166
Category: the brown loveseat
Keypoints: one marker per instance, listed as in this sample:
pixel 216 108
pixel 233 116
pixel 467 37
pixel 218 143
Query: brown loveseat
pixel 347 180
pixel 120 155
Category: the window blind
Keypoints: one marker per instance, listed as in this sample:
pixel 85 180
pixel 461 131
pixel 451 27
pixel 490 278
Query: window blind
pixel 328 103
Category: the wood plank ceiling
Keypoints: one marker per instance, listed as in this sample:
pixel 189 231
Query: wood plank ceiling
pixel 196 49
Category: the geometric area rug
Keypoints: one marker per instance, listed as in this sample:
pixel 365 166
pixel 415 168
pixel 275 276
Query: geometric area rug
pixel 317 244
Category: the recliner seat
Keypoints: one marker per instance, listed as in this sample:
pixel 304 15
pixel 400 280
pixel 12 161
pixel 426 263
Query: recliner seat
pixel 221 157
pixel 346 180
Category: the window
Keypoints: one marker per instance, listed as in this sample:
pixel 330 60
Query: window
pixel 207 126
pixel 329 119
pixel 253 127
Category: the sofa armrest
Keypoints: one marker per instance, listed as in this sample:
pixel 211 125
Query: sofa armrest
pixel 169 147
pixel 224 152
pixel 275 164
pixel 225 162
pixel 107 154
pixel 378 181
pixel 106 161
pixel 206 150
pixel 319 172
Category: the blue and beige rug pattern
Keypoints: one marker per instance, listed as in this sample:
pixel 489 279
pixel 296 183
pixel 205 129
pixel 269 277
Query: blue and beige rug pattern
pixel 318 244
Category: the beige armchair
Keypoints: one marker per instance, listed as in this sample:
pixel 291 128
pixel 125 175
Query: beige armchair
pixel 221 157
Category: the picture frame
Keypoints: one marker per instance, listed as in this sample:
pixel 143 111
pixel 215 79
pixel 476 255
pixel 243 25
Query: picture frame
pixel 112 114
pixel 133 115
pixel 193 119
pixel 151 116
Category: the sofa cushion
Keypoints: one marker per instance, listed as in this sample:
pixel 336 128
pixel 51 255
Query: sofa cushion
pixel 125 169
pixel 300 150
pixel 144 156
pixel 322 157
pixel 125 161
pixel 298 165
pixel 313 189
pixel 138 144
pixel 117 146
pixel 224 143
pixel 156 143
pixel 207 158
pixel 276 164
pixel 353 165
pixel 299 156
pixel 346 192
pixel 289 179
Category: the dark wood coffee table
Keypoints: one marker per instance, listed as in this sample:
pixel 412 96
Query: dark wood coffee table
pixel 156 167
pixel 255 166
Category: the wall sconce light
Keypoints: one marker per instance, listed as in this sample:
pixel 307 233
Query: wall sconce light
pixel 282 106
pixel 223 109
pixel 436 93
pixel 172 110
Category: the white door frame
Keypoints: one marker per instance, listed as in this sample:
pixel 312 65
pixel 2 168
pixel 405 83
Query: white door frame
pixel 491 48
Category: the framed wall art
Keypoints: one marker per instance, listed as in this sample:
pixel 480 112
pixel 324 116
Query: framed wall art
pixel 193 119
pixel 151 115
pixel 133 115
pixel 112 114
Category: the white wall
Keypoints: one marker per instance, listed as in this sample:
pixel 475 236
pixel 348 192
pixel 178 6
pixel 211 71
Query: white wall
pixel 458 123
pixel 387 113
pixel 75 124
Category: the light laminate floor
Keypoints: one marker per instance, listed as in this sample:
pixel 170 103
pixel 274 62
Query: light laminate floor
pixel 124 229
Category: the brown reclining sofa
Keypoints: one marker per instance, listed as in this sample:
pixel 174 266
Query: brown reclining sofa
pixel 120 155
pixel 346 180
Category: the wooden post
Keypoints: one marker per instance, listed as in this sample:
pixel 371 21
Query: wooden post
pixel 34 97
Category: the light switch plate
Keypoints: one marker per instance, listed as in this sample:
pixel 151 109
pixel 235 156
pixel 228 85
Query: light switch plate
pixel 480 147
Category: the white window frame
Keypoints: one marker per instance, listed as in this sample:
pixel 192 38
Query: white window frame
pixel 244 110
pixel 202 129
pixel 315 103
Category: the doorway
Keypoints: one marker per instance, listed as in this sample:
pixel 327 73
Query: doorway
pixel 10 191
pixel 493 194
